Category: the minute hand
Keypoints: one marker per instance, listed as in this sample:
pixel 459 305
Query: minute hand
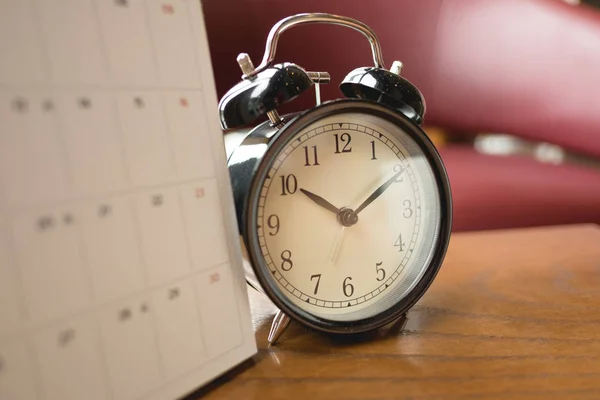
pixel 378 192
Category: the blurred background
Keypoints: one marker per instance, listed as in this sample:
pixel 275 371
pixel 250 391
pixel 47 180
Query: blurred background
pixel 512 90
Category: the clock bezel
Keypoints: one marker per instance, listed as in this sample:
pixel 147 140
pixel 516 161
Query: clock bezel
pixel 278 142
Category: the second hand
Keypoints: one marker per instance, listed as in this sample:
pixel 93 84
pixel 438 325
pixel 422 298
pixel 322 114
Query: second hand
pixel 337 245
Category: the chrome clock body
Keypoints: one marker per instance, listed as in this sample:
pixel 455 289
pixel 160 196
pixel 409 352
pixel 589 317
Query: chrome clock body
pixel 344 209
pixel 249 165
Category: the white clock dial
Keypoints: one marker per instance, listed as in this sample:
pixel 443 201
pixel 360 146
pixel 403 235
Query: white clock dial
pixel 347 216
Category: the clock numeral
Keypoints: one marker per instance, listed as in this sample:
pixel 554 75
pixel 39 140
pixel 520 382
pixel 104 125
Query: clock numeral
pixel 348 287
pixel 286 263
pixel 289 184
pixel 343 139
pixel 318 277
pixel 273 223
pixel 398 168
pixel 399 244
pixel 373 157
pixel 307 158
pixel 408 211
pixel 377 265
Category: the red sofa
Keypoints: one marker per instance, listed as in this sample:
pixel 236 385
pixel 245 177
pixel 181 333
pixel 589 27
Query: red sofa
pixel 529 68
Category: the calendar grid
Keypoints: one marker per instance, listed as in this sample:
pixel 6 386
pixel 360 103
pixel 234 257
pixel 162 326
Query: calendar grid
pixel 31 331
pixel 98 304
pixel 115 211
pixel 99 197
pixel 84 266
pixel 160 357
pixel 7 338
pixel 67 168
pixel 122 150
pixel 11 257
pixel 138 247
pixel 168 131
pixel 35 15
pixel 202 327
pixel 189 243
pixel 105 365
pixel 103 44
pixel 190 24
pixel 34 360
pixel 199 367
pixel 152 39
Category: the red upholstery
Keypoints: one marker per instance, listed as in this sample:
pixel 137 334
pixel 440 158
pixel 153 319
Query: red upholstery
pixel 530 68
pixel 524 67
pixel 491 192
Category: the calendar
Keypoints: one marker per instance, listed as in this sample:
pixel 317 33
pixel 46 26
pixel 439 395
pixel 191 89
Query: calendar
pixel 120 267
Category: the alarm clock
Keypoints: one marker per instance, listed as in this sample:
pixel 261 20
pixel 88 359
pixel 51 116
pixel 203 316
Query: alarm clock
pixel 345 209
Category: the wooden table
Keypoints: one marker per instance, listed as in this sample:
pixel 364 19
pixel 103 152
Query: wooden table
pixel 511 315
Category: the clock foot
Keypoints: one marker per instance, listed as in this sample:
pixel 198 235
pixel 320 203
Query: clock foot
pixel 398 325
pixel 279 325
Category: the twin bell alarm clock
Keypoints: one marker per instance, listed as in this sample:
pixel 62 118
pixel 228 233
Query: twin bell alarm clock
pixel 344 209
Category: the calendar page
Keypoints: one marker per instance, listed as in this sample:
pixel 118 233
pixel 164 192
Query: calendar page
pixel 120 267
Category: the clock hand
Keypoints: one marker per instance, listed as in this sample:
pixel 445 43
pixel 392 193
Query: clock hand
pixel 320 201
pixel 337 244
pixel 378 192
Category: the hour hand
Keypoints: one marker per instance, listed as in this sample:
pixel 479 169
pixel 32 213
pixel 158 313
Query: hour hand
pixel 320 201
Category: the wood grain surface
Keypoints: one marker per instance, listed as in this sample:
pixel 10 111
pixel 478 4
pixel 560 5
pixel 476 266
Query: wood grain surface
pixel 511 315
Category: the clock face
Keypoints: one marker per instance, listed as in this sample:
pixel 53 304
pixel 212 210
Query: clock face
pixel 348 216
